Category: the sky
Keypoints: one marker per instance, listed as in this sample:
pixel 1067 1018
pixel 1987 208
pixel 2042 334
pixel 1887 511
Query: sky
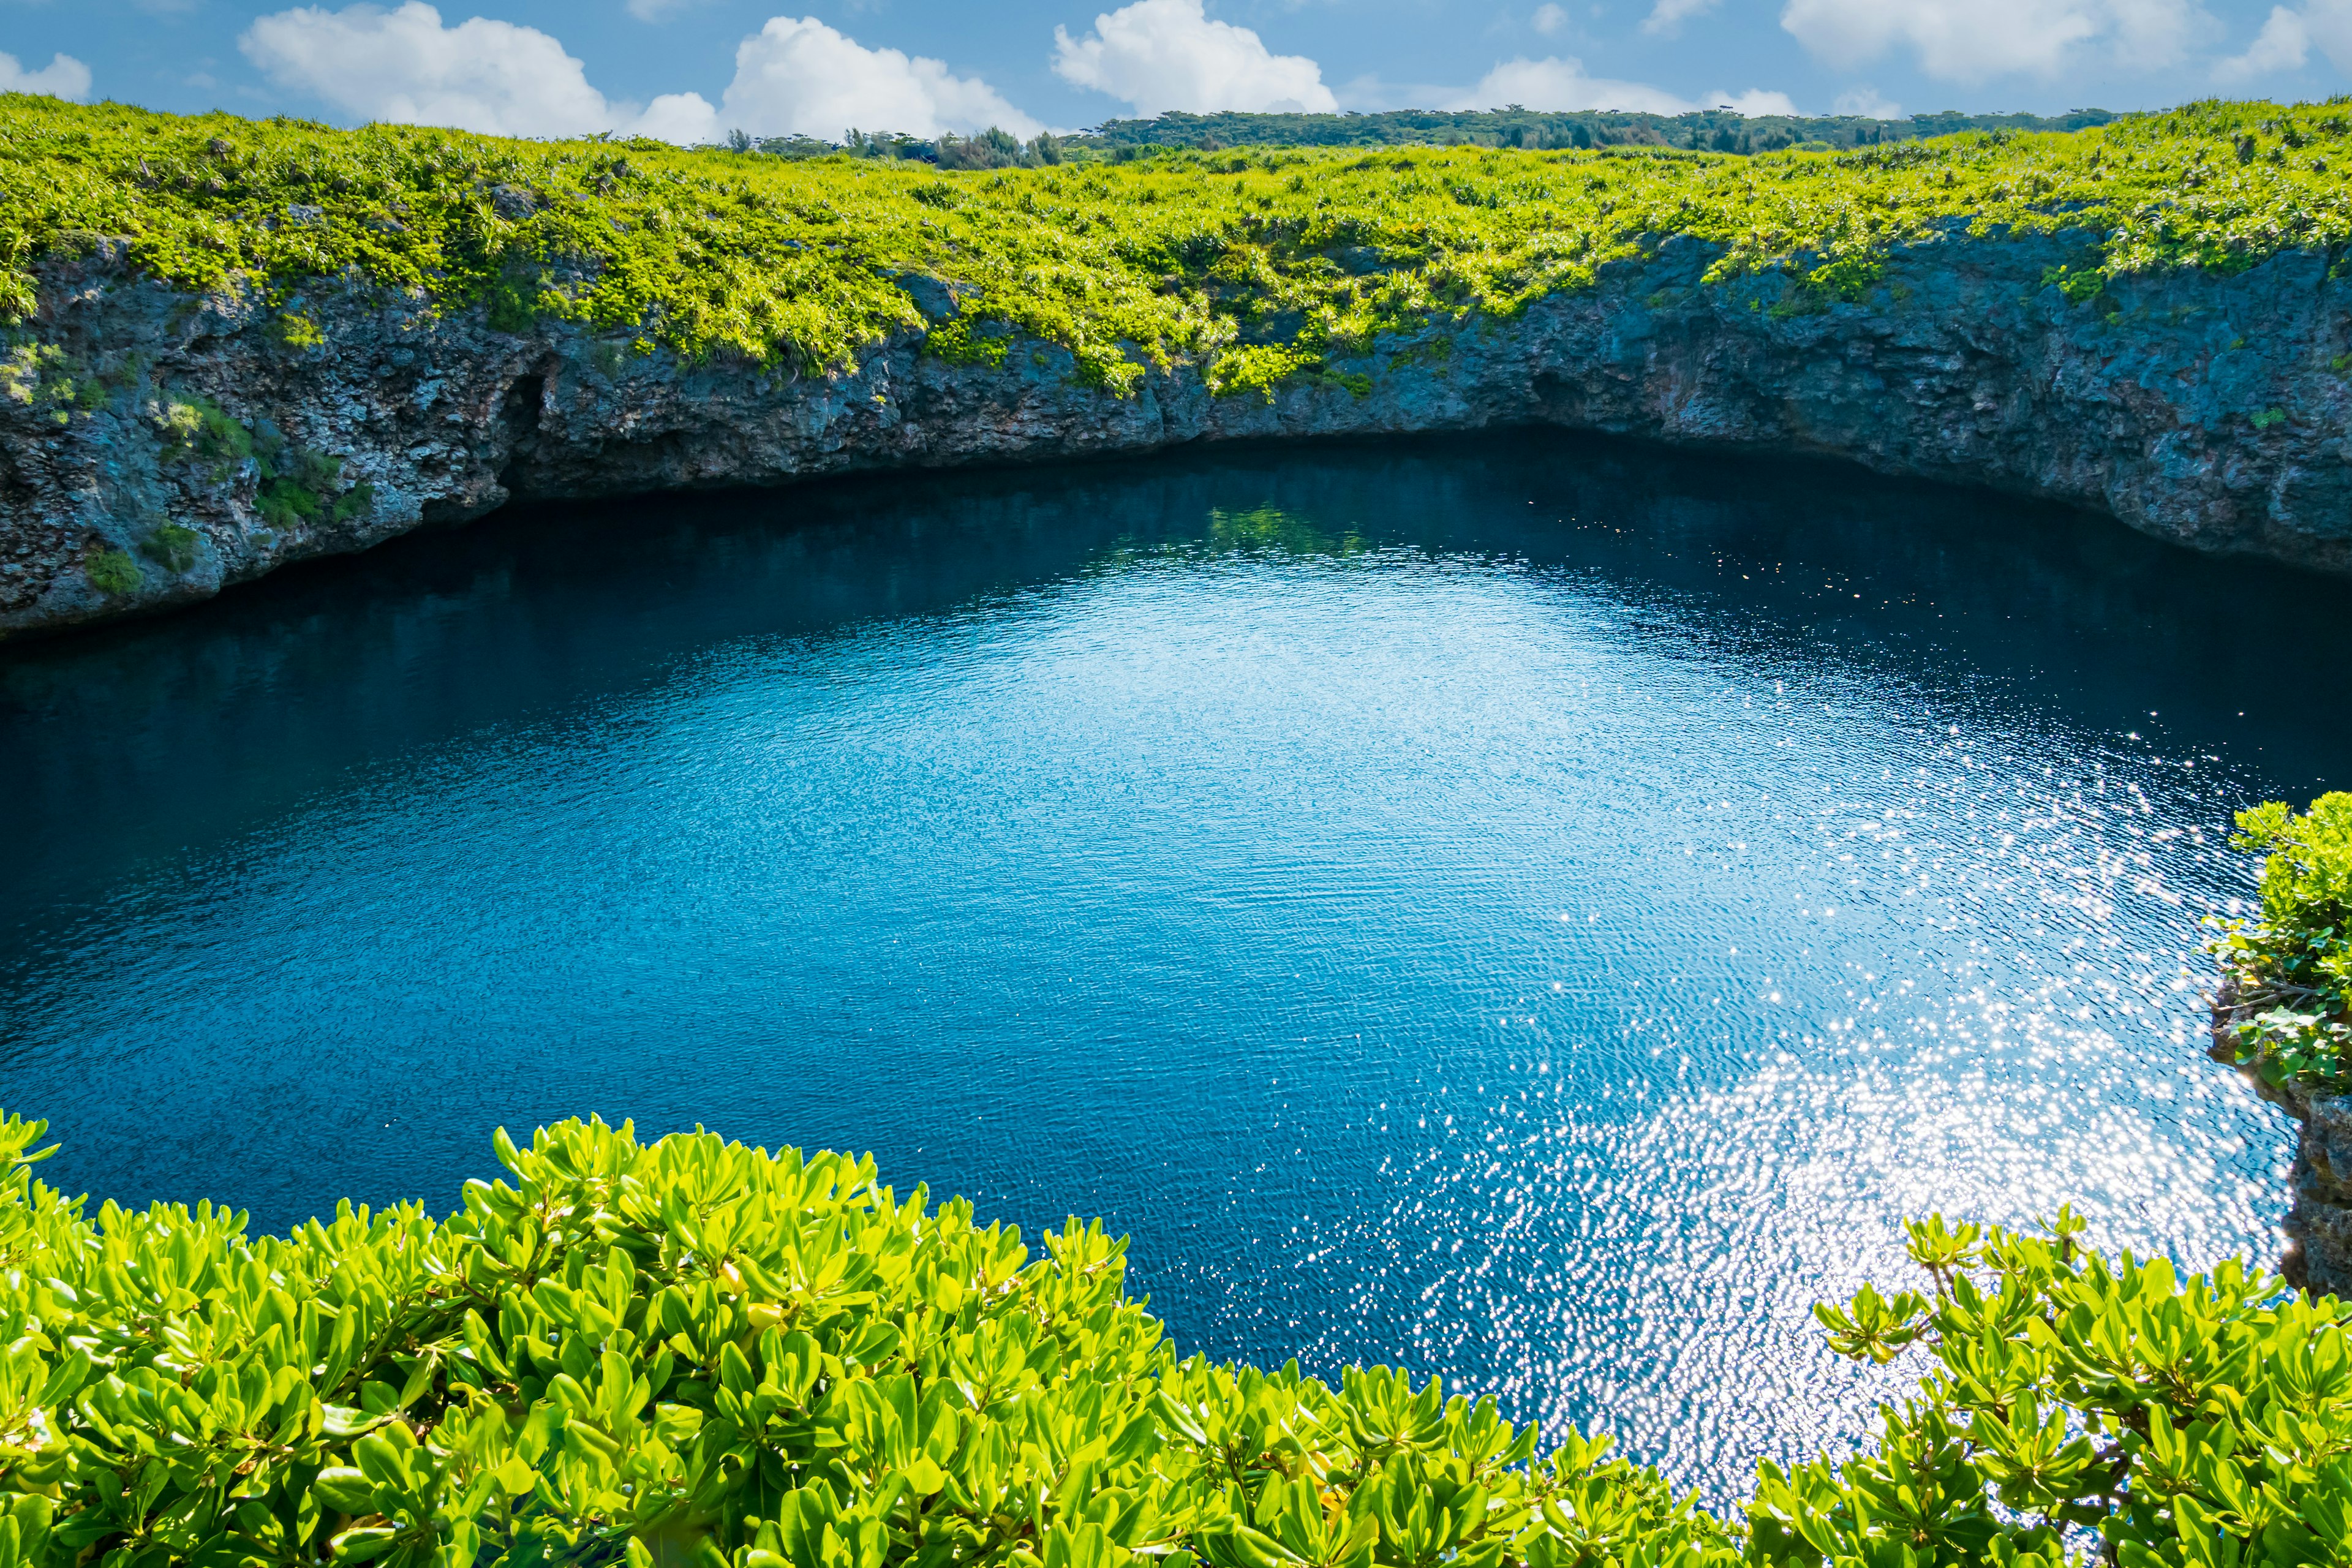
pixel 691 70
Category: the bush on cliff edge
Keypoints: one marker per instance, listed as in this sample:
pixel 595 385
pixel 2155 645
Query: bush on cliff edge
pixel 1335 258
pixel 2288 1006
pixel 695 1354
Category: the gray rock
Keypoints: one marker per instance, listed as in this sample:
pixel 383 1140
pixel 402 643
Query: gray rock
pixel 2209 410
pixel 2318 1224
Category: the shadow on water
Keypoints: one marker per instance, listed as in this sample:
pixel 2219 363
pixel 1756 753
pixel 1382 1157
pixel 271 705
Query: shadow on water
pixel 146 735
pixel 1538 908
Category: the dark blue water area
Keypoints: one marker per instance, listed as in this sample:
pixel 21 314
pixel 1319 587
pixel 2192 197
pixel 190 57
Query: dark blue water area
pixel 1537 909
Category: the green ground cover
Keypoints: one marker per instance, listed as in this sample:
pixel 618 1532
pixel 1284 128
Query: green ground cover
pixel 699 1355
pixel 1258 265
pixel 1706 130
pixel 2289 964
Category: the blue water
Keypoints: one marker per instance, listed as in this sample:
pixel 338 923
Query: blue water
pixel 1537 909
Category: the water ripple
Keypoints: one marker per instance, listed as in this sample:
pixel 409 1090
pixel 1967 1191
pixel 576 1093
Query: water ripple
pixel 1535 912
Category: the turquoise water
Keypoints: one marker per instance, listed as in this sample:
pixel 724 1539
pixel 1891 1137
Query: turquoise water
pixel 1535 910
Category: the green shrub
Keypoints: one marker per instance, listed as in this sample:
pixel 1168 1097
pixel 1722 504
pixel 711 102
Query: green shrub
pixel 44 373
pixel 2289 968
pixel 171 547
pixel 2080 1411
pixel 699 1355
pixel 113 573
pixel 299 331
pixel 201 427
pixel 1257 367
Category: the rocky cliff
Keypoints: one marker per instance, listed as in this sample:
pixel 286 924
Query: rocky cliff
pixel 157 447
pixel 2318 1222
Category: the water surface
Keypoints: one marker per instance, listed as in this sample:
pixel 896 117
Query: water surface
pixel 1537 909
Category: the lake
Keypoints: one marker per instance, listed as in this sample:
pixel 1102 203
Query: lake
pixel 1539 910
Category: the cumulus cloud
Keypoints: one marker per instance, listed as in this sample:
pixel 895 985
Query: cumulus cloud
pixel 63 77
pixel 1559 82
pixel 2287 38
pixel 1666 16
pixel 1167 54
pixel 404 65
pixel 1756 102
pixel 797 75
pixel 2283 44
pixel 1548 19
pixel 1868 103
pixel 1975 40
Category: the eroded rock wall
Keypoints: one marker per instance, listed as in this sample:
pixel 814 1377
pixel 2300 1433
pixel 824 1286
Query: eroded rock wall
pixel 2318 1222
pixel 2208 410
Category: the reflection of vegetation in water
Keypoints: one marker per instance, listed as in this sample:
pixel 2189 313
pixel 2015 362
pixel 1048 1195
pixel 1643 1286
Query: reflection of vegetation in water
pixel 1271 528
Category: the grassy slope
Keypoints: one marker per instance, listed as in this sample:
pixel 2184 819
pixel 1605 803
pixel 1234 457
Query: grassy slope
pixel 1258 263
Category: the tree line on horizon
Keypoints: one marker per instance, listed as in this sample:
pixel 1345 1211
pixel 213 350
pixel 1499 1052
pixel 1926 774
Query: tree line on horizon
pixel 1723 130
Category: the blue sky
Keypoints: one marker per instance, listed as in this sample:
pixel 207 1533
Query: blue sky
pixel 690 69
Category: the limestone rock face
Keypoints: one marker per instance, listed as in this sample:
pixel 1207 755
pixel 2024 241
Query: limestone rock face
pixel 2318 1222
pixel 2212 411
pixel 2319 1227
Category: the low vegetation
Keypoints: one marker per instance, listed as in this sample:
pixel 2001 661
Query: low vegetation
pixel 1701 131
pixel 1312 253
pixel 694 1354
pixel 2289 965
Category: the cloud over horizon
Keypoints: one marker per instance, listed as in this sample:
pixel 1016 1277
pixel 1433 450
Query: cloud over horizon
pixel 1557 83
pixel 2286 39
pixel 796 75
pixel 1975 41
pixel 1158 54
pixel 63 77
pixel 405 66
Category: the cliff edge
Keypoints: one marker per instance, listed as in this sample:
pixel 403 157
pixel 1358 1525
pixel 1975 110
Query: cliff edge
pixel 158 444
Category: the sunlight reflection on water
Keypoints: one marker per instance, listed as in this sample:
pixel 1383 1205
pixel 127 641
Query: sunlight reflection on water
pixel 1552 945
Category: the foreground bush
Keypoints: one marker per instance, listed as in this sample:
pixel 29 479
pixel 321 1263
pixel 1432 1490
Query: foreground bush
pixel 2288 1007
pixel 698 1355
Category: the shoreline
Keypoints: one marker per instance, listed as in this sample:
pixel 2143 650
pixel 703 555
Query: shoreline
pixel 221 451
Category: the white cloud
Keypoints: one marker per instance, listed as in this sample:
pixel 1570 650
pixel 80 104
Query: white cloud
pixel 1167 54
pixel 685 118
pixel 2286 40
pixel 1756 102
pixel 1371 94
pixel 2283 44
pixel 63 77
pixel 405 66
pixel 1866 102
pixel 794 75
pixel 1975 40
pixel 797 75
pixel 1666 16
pixel 1548 19
pixel 2328 24
pixel 1559 82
